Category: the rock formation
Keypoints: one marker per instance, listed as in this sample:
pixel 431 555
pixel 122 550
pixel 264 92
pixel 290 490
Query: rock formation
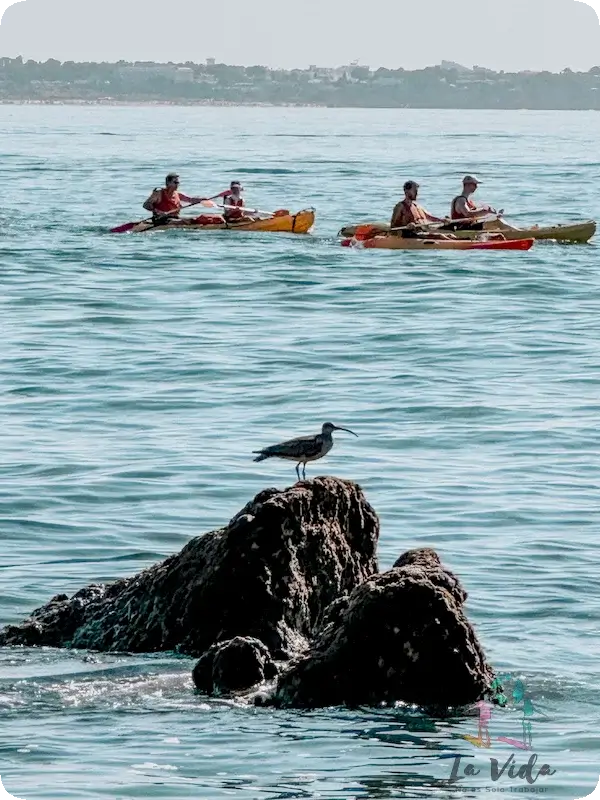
pixel 269 574
pixel 233 666
pixel 288 589
pixel 400 636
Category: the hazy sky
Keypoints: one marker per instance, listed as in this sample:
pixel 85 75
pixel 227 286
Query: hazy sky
pixel 509 35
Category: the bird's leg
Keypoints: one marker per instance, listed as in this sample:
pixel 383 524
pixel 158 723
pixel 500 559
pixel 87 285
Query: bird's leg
pixel 298 470
pixel 304 470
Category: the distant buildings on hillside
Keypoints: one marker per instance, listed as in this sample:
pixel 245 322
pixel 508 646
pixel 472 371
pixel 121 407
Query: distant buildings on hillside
pixel 446 85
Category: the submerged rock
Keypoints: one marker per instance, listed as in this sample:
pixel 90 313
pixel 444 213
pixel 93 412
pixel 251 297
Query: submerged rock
pixel 400 636
pixel 270 574
pixel 233 666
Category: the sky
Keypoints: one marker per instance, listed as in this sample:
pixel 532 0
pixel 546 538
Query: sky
pixel 511 35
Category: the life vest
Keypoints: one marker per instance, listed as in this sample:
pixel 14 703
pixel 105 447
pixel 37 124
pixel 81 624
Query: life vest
pixel 167 202
pixel 412 212
pixel 454 214
pixel 232 200
pixel 418 213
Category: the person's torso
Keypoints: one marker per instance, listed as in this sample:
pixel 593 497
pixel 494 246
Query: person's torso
pixel 454 213
pixel 233 200
pixel 414 212
pixel 168 202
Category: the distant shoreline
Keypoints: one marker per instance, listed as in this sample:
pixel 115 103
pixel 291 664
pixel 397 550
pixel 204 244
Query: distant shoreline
pixel 447 86
pixel 242 104
pixel 140 103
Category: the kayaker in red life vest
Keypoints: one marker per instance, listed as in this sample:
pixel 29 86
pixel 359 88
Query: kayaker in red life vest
pixel 233 197
pixel 165 204
pixel 409 214
pixel 464 208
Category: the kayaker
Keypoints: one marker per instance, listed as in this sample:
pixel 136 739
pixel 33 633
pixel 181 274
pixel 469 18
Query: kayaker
pixel 165 204
pixel 233 197
pixel 408 214
pixel 463 206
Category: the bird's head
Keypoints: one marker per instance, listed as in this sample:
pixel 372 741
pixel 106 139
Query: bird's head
pixel 329 428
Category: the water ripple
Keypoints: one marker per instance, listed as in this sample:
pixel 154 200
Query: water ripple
pixel 137 374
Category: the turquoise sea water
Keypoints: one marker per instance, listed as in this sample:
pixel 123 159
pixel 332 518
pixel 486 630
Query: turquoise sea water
pixel 137 374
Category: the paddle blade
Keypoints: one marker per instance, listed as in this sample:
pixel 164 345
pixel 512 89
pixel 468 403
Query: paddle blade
pixel 124 228
pixel 208 204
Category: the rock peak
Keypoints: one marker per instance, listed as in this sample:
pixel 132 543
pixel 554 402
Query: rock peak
pixel 269 574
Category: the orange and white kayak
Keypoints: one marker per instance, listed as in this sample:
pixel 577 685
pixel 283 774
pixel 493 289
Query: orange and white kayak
pixel 282 222
pixel 417 243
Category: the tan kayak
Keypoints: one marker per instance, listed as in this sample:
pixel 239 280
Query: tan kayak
pixel 301 222
pixel 573 232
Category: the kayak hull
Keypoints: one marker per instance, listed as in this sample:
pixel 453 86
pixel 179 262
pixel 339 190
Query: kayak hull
pixel 398 243
pixel 302 222
pixel 580 232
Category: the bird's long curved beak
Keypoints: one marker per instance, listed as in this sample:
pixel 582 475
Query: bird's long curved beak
pixel 337 428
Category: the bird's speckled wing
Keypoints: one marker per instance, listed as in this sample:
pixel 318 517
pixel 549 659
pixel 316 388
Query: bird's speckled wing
pixel 302 447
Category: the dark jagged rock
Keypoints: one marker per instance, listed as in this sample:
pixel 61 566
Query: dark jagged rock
pixel 293 575
pixel 269 574
pixel 429 561
pixel 400 636
pixel 233 666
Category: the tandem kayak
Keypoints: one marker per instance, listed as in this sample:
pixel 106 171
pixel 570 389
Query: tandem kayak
pixel 569 232
pixel 301 222
pixel 398 243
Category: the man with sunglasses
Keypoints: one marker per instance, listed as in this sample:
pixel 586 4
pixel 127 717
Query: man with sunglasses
pixel 165 204
pixel 464 208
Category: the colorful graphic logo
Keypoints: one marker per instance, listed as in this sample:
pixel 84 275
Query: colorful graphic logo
pixel 519 696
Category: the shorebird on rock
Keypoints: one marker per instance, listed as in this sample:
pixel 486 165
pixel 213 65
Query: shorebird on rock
pixel 304 448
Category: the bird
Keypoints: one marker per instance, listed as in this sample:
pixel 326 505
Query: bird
pixel 304 448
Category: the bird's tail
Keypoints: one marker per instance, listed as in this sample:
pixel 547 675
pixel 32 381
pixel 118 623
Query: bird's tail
pixel 261 457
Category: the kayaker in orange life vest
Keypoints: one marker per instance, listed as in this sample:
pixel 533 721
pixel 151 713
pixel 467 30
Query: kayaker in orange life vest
pixel 165 204
pixel 464 208
pixel 409 214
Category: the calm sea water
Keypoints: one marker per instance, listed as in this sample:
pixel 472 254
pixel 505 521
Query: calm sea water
pixel 137 374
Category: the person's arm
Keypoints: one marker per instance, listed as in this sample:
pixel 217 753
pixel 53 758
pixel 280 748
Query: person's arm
pixel 397 216
pixel 187 199
pixel 152 201
pixel 431 218
pixel 462 209
pixel 466 213
pixel 490 210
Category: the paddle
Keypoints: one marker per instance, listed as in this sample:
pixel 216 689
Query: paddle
pixel 130 225
pixel 242 208
pixel 363 232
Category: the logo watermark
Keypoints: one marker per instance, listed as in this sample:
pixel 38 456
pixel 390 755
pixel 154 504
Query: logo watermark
pixel 518 695
pixel 528 772
pixel 4 795
pixel 524 775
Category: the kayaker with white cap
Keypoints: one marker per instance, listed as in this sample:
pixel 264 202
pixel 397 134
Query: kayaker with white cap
pixel 232 197
pixel 409 214
pixel 464 208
